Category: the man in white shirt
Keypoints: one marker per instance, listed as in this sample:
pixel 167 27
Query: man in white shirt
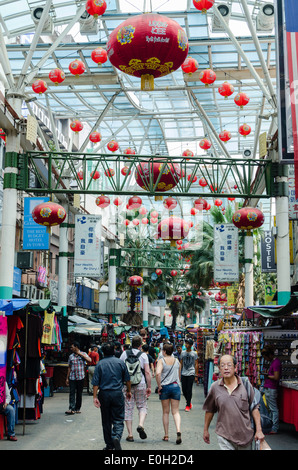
pixel 139 392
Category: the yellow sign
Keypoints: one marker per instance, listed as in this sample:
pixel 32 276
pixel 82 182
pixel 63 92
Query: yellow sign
pixel 263 145
pixel 232 292
pixel 270 291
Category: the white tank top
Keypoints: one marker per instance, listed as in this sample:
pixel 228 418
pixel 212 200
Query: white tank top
pixel 170 373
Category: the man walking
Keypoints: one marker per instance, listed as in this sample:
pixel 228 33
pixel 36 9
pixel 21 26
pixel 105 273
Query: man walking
pixel 139 392
pixel 188 371
pixel 75 377
pixel 94 356
pixel 109 377
pixel 228 397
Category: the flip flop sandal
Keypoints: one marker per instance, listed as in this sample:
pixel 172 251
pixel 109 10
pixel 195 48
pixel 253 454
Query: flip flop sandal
pixel 141 432
pixel 178 440
pixel 165 438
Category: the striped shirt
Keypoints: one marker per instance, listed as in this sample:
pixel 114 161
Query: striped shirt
pixel 77 366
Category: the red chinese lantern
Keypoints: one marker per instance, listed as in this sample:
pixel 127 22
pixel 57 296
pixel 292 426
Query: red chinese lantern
pixel 220 297
pixel 158 272
pixel 187 153
pixel 48 214
pixel 147 174
pixel 153 220
pixel 99 56
pixel 145 221
pixel 177 298
pixel 102 201
pixel 126 222
pixel 225 136
pixel 76 67
pixel 226 90
pixel 192 178
pixel 124 171
pixel 135 281
pixel 109 172
pixel 241 99
pixel 205 144
pixel 179 242
pixel 199 294
pixel 95 175
pixel 134 202
pixel 193 211
pixel 244 130
pixel 95 137
pixel 231 198
pixel 174 273
pixel 203 5
pixel 2 135
pixel 39 86
pixel 172 228
pixel 190 65
pixel 118 201
pixel 215 310
pixel 57 76
pixel 207 77
pixel 80 175
pixel 96 7
pixel 200 204
pixel 76 126
pixel 203 182
pixel 248 218
pixel 208 207
pixel 154 214
pixel 218 202
pixel 148 46
pixel 129 151
pixel 136 222
pixel 170 203
pixel 113 146
pixel 143 210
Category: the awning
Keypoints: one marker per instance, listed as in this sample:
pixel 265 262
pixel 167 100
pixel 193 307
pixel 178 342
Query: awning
pixel 10 305
pixel 277 311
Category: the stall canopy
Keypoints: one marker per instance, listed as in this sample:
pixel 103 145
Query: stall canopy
pixel 10 305
pixel 277 311
pixel 83 326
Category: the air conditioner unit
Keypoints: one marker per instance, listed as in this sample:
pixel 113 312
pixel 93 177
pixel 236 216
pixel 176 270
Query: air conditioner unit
pixel 265 18
pixel 48 27
pixel 25 291
pixel 32 292
pixel 88 24
pixel 225 12
pixel 40 294
pixel 24 260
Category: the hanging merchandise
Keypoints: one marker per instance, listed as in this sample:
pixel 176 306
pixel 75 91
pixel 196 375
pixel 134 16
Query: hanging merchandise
pixel 3 348
pixel 48 325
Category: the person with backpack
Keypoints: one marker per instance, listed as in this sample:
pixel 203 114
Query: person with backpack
pixel 228 397
pixel 140 377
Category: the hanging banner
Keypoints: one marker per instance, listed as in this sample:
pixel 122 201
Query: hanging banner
pixel 268 252
pixel 35 237
pixel 226 263
pixel 232 293
pixel 87 258
pixel 270 291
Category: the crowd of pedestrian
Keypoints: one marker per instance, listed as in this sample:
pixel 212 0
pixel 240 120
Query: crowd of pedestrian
pixel 120 377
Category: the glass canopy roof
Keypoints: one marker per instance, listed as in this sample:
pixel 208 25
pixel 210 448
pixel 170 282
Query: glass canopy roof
pixel 180 111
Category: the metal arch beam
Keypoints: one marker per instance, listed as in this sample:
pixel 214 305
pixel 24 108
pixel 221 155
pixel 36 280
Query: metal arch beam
pixel 243 55
pixel 116 132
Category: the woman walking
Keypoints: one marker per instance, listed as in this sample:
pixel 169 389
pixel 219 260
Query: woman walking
pixel 167 378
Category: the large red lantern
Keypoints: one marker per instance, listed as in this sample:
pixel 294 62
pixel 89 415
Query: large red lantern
pixel 205 144
pixel 134 202
pixel 190 65
pixel 147 174
pixel 113 146
pixel 125 170
pixel 48 214
pixel 200 204
pixel 170 203
pixel 95 175
pixel 226 89
pixel 129 151
pixel 80 175
pixel 174 272
pixel 187 153
pixel 135 281
pixel 95 137
pixel 203 182
pixel 76 67
pixel 203 5
pixel 148 46
pixel 110 172
pixel 177 298
pixel 225 136
pixel 192 178
pixel 99 56
pixel 207 77
pixel 248 218
pixel 102 201
pixel 39 86
pixel 76 126
pixel 172 228
pixel 96 7
pixel 244 130
pixel 117 201
pixel 158 272
pixel 57 76
pixel 241 99
pixel 218 202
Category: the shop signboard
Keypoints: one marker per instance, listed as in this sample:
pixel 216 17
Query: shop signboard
pixel 226 253
pixel 35 236
pixel 268 252
pixel 87 257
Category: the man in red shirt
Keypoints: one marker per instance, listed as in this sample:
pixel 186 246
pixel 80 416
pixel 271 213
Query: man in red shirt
pixel 94 356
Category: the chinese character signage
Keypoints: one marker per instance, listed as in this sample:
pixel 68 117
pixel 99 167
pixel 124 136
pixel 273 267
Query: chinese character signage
pixel 35 237
pixel 226 263
pixel 87 259
pixel 268 252
pixel 293 202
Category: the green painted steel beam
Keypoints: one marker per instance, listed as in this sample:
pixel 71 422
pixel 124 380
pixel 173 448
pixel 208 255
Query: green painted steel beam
pixel 220 174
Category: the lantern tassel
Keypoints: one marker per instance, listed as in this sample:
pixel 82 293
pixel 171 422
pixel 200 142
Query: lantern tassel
pixel 147 82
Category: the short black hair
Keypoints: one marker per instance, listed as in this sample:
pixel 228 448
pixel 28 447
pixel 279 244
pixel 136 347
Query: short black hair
pixel 145 347
pixel 108 349
pixel 76 344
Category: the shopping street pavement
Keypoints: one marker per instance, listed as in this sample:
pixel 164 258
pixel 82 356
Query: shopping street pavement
pixel 57 431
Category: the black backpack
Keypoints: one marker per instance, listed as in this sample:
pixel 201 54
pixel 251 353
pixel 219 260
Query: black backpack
pixel 266 421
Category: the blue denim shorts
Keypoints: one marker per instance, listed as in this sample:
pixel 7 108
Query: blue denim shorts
pixel 170 391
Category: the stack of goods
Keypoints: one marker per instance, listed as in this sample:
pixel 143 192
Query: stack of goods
pixel 246 346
